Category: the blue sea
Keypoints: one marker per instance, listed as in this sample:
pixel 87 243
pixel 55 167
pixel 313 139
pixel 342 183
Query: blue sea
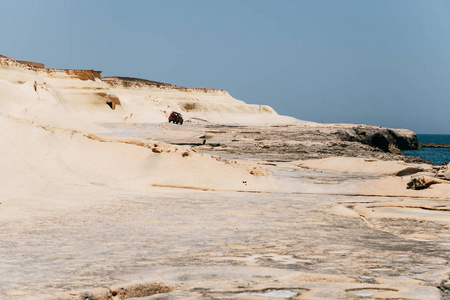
pixel 435 155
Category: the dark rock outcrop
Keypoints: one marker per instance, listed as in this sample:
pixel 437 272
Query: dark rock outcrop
pixel 409 171
pixel 386 139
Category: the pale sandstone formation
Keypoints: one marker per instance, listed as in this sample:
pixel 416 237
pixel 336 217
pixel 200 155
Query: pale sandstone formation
pixel 103 203
pixel 80 99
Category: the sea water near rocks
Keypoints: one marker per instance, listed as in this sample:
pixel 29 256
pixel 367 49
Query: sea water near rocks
pixel 435 155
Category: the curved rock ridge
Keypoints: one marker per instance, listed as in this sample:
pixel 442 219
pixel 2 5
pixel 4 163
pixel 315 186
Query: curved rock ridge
pixel 128 82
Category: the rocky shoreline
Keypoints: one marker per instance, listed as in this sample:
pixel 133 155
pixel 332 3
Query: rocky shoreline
pixel 140 208
pixel 297 142
pixel 433 145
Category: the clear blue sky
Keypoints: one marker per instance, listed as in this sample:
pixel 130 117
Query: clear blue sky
pixel 384 63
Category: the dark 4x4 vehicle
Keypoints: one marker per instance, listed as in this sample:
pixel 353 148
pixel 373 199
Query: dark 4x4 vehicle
pixel 176 118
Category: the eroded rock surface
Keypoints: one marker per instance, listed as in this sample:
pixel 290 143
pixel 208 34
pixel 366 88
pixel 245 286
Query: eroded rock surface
pixel 290 142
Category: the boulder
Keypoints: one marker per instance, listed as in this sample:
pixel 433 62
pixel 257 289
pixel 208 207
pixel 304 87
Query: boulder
pixel 443 172
pixel 446 175
pixel 421 183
